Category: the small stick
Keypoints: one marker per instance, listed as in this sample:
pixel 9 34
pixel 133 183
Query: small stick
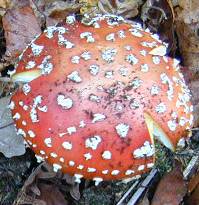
pixel 191 167
pixel 138 194
pixel 121 201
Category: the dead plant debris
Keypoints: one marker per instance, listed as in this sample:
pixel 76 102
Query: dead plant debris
pixel 23 181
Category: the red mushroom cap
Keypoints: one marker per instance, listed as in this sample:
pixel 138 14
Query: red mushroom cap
pixel 103 91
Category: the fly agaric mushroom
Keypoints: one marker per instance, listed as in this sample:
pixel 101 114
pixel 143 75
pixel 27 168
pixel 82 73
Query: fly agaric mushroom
pixel 95 95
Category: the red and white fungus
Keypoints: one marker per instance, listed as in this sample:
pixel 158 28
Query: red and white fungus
pixel 94 95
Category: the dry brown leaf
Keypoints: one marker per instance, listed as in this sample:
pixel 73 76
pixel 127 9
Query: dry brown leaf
pixel 158 16
pixel 187 29
pixel 193 199
pixel 10 143
pixel 20 26
pixel 58 10
pixel 126 8
pixel 40 185
pixel 51 195
pixel 171 189
pixel 4 3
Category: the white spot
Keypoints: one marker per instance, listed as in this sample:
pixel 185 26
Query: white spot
pixel 11 105
pixel 71 163
pixel 24 123
pixel 53 154
pixel 82 124
pixel 42 152
pixel 33 115
pixel 135 83
pixel 134 104
pixel 36 49
pixel 46 66
pixel 149 44
pixel 108 54
pixel 115 172
pixel 94 69
pixel 154 90
pixel 16 116
pixel 123 71
pixel 156 60
pixel 25 107
pixel 147 150
pixel 71 130
pixel 129 172
pixel 56 167
pixel 26 88
pixel 94 98
pixel 21 132
pixel 106 155
pixel 48 142
pixel 61 159
pixel 121 34
pixel 86 55
pixel 172 125
pixel 144 68
pixel 97 117
pixel 109 74
pixel 75 77
pixel 75 59
pixel 160 108
pixel 105 171
pixel 65 42
pixel 182 121
pixel 110 37
pixel 143 52
pixel 39 158
pixel 80 167
pixel 30 64
pixel 181 143
pixel 97 180
pixel 91 169
pixel 141 167
pixel 93 142
pixel 165 80
pixel 67 145
pixel 31 133
pixel 122 130
pixel 43 108
pixel 78 178
pixel 70 19
pixel 88 36
pixel 64 102
pixel 128 47
pixel 131 59
pixel 150 165
pixel 87 156
pixel 50 30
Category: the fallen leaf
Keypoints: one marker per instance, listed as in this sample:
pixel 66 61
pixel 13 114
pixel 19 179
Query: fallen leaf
pixel 193 183
pixel 193 199
pixel 171 189
pixel 125 8
pixel 57 198
pixel 10 143
pixel 20 26
pixel 158 16
pixel 57 11
pixel 40 185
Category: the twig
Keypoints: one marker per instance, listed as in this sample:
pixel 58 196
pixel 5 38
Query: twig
pixel 191 167
pixel 139 193
pixel 121 201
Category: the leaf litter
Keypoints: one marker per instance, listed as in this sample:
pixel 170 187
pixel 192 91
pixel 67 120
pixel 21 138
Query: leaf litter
pixel 175 22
